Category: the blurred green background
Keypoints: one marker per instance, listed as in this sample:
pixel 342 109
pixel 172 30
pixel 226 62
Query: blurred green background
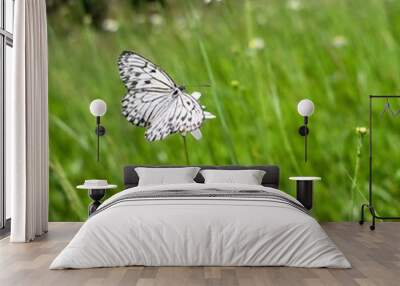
pixel 261 58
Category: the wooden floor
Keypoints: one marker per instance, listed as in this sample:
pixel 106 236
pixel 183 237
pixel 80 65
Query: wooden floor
pixel 375 257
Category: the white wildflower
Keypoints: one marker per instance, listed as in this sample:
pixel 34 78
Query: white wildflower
pixel 207 2
pixel 207 115
pixel 156 19
pixel 110 25
pixel 162 156
pixel 362 130
pixel 196 95
pixel 339 41
pixel 256 44
pixel 197 134
pixel 294 5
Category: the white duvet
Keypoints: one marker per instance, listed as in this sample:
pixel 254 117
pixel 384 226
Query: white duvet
pixel 200 231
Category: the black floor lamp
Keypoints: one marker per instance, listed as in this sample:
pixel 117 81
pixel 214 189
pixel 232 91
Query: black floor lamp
pixel 370 201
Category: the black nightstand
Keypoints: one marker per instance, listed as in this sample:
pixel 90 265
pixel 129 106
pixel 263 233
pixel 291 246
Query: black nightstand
pixel 304 193
pixel 96 190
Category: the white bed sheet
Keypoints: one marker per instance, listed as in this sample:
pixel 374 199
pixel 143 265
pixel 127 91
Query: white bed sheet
pixel 202 232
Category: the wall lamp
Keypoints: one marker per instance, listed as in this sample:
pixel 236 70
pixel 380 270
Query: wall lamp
pixel 98 108
pixel 305 108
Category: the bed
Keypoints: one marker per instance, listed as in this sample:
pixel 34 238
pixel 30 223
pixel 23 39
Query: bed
pixel 199 224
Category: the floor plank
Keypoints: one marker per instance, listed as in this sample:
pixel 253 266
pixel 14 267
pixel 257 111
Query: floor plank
pixel 375 257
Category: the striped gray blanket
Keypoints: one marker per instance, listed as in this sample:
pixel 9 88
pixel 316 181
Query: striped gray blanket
pixel 206 194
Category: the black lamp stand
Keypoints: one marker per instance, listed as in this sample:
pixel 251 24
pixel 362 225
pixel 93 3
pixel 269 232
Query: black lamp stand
pixel 304 131
pixel 96 195
pixel 100 131
pixel 370 202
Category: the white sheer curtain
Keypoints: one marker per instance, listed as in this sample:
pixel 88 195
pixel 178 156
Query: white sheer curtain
pixel 27 124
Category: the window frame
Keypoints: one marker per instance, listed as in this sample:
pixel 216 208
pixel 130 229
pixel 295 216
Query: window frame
pixel 6 39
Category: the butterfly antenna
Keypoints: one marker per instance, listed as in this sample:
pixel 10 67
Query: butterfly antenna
pixel 199 85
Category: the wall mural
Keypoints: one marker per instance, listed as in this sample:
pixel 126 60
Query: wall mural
pixel 156 102
pixel 258 59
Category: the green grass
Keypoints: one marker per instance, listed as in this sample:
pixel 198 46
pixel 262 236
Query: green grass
pixel 333 52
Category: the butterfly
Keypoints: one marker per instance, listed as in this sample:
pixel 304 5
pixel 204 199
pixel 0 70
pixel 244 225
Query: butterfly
pixel 156 102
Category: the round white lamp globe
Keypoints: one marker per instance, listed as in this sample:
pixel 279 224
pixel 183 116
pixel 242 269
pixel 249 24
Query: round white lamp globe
pixel 305 107
pixel 98 107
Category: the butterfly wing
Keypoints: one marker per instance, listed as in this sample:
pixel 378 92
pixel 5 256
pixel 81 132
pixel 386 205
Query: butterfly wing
pixel 148 87
pixel 138 72
pixel 183 114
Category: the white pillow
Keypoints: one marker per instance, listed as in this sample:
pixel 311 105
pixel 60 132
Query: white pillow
pixel 165 176
pixel 248 177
